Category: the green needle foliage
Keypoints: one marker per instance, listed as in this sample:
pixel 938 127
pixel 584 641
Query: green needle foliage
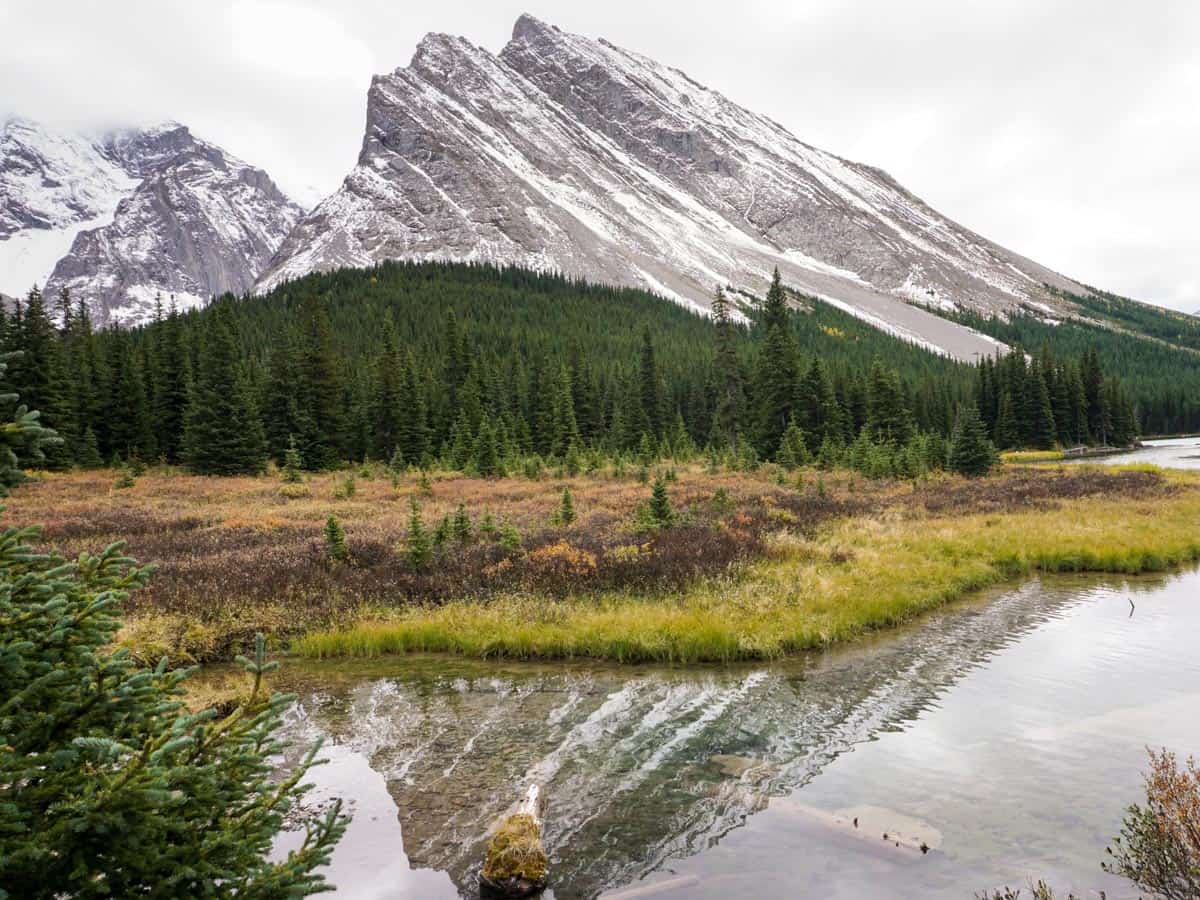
pixel 971 453
pixel 418 549
pixel 659 510
pixel 461 526
pixel 351 364
pixel 335 540
pixel 23 438
pixel 565 514
pixel 292 463
pixel 109 787
pixel 223 433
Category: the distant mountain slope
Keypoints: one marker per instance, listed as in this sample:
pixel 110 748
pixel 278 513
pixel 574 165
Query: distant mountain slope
pixel 126 215
pixel 52 186
pixel 570 154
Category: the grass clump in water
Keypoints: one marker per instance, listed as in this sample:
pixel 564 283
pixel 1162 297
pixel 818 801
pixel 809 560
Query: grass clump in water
pixel 516 862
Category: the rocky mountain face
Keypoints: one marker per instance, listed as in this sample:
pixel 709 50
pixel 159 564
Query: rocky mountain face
pixel 127 215
pixel 567 153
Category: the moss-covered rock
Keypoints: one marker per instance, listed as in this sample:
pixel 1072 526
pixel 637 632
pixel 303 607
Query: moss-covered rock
pixel 516 864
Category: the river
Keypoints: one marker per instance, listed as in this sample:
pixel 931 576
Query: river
pixel 1173 453
pixel 1005 734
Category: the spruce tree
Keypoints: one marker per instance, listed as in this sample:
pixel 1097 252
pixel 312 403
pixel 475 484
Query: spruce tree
pixel 460 526
pixel 793 449
pixel 1007 433
pixel 39 377
pixel 971 453
pixel 335 540
pixel 130 428
pixel 1060 404
pixel 888 417
pixel 223 434
pixel 1079 407
pixel 23 438
pixel 414 428
pixel 650 390
pixel 418 547
pixel 285 416
pixel 659 507
pixel 729 405
pixel 109 786
pixel 565 428
pixel 1099 416
pixel 387 396
pixel 1124 420
pixel 1044 431
pixel 565 514
pixel 172 383
pixel 775 382
pixel 88 456
pixel 816 405
pixel 319 389
pixel 486 454
pixel 293 463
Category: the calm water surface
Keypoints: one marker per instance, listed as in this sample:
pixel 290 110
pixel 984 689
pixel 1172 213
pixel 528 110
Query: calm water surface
pixel 1179 453
pixel 1006 734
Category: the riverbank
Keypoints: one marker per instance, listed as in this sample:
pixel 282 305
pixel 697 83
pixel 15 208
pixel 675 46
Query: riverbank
pixel 862 574
pixel 754 565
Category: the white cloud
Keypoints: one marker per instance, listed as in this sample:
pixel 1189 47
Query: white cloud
pixel 298 43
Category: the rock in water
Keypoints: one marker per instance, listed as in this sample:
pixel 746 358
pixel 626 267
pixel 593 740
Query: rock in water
pixel 516 864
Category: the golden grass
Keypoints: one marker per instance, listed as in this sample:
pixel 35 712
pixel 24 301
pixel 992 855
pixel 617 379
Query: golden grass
pixel 858 575
pixel 1021 457
pixel 515 853
pixel 236 556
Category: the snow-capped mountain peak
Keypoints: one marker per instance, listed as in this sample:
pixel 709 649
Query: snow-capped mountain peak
pixel 568 153
pixel 123 215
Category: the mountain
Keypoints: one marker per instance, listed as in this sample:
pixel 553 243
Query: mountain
pixel 572 154
pixel 122 216
pixel 52 186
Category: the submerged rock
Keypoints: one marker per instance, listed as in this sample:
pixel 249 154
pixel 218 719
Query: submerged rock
pixel 516 864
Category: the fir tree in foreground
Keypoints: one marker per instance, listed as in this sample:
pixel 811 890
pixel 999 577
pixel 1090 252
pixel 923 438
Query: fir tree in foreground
pixel 108 785
pixel 971 453
pixel 223 434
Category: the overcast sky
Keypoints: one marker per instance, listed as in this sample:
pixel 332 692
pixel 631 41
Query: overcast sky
pixel 1067 131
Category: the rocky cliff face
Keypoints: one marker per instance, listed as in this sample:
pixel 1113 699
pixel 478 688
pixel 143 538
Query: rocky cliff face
pixel 127 215
pixel 567 153
pixel 199 223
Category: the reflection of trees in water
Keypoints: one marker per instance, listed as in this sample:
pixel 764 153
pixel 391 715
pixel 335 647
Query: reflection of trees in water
pixel 641 765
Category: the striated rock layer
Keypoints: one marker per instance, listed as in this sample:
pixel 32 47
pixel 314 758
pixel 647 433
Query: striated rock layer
pixel 572 154
pixel 124 216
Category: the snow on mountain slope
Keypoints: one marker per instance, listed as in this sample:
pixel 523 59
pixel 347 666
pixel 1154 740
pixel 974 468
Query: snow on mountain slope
pixel 567 153
pixel 52 186
pixel 127 215
pixel 200 223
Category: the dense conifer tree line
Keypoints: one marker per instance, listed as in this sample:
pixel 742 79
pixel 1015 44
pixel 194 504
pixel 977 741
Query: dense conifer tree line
pixel 478 368
pixel 1160 374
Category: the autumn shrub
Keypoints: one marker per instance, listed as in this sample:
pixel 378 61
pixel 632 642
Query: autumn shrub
pixel 1159 845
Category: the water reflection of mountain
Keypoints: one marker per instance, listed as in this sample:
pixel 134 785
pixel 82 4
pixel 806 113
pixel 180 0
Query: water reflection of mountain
pixel 637 765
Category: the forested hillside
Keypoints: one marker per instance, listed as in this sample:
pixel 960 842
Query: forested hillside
pixel 479 368
pixel 1159 364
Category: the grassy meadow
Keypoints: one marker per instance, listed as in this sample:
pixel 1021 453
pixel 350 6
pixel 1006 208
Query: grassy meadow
pixel 756 564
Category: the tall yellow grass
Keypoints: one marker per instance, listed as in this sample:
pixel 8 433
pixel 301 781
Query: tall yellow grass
pixel 860 575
